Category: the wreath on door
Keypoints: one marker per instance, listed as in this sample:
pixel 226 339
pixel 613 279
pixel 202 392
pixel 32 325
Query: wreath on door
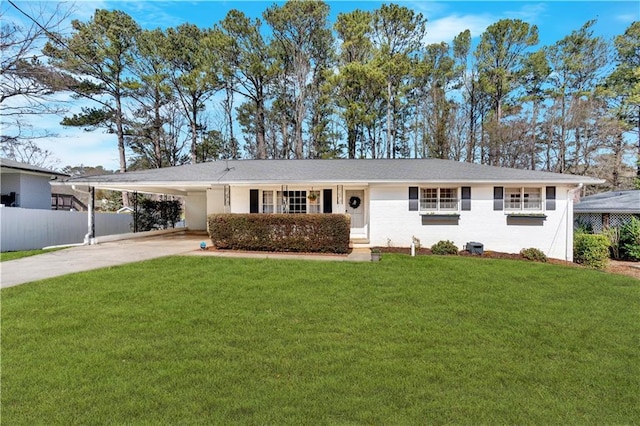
pixel 354 202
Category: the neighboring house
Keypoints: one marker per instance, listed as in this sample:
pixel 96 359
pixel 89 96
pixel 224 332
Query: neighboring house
pixel 390 201
pixel 26 186
pixel 608 209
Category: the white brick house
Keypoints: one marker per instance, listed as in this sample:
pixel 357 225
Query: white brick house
pixel 390 201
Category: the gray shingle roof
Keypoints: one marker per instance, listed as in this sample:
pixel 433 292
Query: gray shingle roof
pixel 6 163
pixel 331 171
pixel 610 202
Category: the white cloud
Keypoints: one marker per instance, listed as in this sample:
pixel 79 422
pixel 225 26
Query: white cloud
pixel 445 29
pixel 626 18
pixel 75 147
pixel 528 12
pixel 84 10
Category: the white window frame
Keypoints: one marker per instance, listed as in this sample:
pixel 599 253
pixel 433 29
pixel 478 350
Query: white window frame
pixel 275 201
pixel 293 201
pixel 523 199
pixel 314 206
pixel 434 199
pixel 268 202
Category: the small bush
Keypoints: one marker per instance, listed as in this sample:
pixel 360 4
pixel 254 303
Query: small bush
pixel 326 233
pixel 157 214
pixel 613 234
pixel 533 254
pixel 583 226
pixel 444 248
pixel 630 239
pixel 591 250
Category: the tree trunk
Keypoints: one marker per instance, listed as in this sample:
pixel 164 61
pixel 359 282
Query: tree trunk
pixel 534 136
pixel 120 135
pixel 228 109
pixel 617 161
pixel 260 128
pixel 284 129
pixel 638 158
pixel 157 127
pixel 194 130
pixel 388 119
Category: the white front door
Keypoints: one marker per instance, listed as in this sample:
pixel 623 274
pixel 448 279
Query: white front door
pixel 355 207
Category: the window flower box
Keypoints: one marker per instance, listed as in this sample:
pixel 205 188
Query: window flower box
pixel 526 219
pixel 440 218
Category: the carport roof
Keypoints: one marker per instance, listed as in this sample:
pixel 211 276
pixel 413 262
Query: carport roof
pixel 246 172
pixel 610 202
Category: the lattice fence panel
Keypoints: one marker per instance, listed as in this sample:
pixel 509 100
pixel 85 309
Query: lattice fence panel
pixel 618 220
pixel 593 220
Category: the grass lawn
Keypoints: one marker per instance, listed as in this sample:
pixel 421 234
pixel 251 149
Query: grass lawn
pixel 204 340
pixel 12 255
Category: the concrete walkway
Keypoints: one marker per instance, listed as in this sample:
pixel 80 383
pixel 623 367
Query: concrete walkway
pixel 111 253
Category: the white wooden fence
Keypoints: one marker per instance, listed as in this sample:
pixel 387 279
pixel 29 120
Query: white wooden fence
pixel 28 229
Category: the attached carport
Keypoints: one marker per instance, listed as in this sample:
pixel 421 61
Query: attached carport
pixel 198 197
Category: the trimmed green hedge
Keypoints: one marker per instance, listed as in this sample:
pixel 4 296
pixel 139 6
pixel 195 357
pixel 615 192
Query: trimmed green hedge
pixel 321 233
pixel 591 250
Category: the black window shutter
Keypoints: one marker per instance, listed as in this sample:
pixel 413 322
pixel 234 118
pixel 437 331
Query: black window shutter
pixel 254 201
pixel 551 197
pixel 413 198
pixel 327 201
pixel 466 198
pixel 498 198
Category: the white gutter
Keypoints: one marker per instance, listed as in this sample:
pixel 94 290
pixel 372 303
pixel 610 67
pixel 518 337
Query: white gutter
pixel 569 224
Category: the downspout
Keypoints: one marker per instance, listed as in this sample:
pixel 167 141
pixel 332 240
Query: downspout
pixel 569 225
pixel 89 237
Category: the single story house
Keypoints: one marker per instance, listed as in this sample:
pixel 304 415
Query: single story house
pixel 607 209
pixel 26 186
pixel 390 202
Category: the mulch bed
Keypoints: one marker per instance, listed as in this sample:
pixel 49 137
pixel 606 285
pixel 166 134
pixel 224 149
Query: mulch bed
pixel 630 269
pixel 428 252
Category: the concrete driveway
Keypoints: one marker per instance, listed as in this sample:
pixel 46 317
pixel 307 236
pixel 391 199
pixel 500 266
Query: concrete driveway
pixel 119 252
pixel 85 258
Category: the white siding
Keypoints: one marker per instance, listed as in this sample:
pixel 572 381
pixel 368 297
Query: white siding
pixel 392 223
pixel 35 192
pixel 240 202
pixel 215 200
pixel 28 229
pixel 195 214
pixel 32 191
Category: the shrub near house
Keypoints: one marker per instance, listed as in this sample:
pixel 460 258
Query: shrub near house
pixel 280 232
pixel 591 250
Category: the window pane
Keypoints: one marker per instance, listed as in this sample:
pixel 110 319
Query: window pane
pixel 512 199
pixel 532 199
pixel 448 199
pixel 296 201
pixel 428 198
pixel 314 202
pixel 282 205
pixel 267 201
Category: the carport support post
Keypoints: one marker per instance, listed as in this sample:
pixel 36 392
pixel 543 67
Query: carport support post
pixel 135 211
pixel 91 223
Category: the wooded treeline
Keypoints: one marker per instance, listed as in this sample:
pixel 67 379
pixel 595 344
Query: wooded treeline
pixel 294 85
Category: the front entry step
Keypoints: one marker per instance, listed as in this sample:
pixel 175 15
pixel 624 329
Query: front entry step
pixel 359 243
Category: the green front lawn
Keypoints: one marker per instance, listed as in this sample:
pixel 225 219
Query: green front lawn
pixel 204 340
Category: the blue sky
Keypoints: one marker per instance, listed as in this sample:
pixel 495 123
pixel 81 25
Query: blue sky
pixel 445 19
